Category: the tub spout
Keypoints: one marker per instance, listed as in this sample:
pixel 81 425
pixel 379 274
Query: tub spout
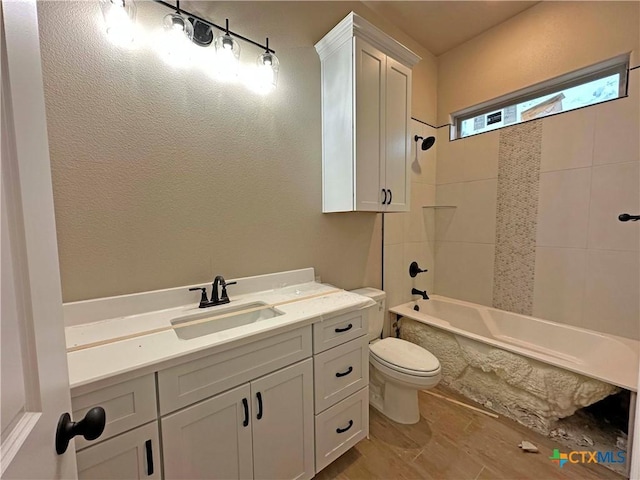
pixel 415 291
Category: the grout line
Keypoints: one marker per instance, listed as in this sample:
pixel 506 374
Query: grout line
pixel 598 165
pixel 586 249
pixel 468 181
pixel 463 242
pixel 567 169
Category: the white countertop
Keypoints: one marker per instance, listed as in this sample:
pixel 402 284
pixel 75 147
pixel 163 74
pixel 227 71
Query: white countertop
pixel 144 352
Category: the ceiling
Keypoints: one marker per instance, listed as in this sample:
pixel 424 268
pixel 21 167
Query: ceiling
pixel 440 26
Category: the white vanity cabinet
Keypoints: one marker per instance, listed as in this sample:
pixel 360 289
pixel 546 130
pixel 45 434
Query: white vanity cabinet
pixel 242 412
pixel 280 406
pixel 341 384
pixel 262 429
pixel 366 110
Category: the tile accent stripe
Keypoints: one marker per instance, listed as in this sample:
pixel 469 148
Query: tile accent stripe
pixel 516 217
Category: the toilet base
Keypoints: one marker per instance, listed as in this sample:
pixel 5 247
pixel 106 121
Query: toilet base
pixel 400 404
pixel 396 402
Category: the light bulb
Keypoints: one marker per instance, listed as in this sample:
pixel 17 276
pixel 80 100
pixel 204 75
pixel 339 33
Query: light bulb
pixel 266 76
pixel 175 40
pixel 227 57
pixel 119 18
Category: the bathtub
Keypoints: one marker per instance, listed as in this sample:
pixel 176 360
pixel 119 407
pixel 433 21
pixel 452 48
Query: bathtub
pixel 600 356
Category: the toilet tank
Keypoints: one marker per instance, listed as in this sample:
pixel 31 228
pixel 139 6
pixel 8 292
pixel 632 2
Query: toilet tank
pixel 376 313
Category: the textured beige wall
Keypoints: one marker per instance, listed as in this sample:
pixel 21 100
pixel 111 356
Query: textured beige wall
pixel 164 177
pixel 547 40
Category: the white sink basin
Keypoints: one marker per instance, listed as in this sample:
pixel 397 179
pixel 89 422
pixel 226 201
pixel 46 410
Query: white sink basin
pixel 222 319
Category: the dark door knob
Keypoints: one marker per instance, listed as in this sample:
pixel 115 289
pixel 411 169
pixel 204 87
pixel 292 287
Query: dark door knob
pixel 90 427
pixel 625 217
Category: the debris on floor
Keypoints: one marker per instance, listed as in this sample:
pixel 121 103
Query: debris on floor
pixel 466 405
pixel 528 446
pixel 559 433
pixel 588 431
pixel 586 441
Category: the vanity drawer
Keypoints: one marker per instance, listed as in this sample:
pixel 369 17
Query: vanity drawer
pixel 333 331
pixel 126 405
pixel 340 427
pixel 196 380
pixel 340 371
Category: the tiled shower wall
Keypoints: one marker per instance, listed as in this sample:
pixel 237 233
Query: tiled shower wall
pixel 410 236
pixel 568 258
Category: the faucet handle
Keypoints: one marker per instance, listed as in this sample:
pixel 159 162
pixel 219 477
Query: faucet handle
pixel 414 269
pixel 203 297
pixel 224 295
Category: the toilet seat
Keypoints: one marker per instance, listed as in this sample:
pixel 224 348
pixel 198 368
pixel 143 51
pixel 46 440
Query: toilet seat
pixel 405 357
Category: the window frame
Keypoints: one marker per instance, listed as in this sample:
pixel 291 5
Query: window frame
pixel 619 64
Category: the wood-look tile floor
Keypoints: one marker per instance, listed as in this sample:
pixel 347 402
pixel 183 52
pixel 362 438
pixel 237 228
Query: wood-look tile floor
pixel 453 442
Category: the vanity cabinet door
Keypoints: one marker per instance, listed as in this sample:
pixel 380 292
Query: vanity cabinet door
pixel 210 440
pixel 132 455
pixel 282 417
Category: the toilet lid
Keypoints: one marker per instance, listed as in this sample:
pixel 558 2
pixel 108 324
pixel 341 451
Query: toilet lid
pixel 405 355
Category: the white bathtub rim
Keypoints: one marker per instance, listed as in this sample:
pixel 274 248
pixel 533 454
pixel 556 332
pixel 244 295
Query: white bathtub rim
pixel 627 379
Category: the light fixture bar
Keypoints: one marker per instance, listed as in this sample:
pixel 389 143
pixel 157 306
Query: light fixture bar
pixel 177 8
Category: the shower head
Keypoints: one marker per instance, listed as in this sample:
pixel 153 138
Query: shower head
pixel 427 143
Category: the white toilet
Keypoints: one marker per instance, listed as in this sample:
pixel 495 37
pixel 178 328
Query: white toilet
pixel 397 368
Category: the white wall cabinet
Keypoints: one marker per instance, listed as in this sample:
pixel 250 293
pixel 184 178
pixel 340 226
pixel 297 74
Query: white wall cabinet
pixel 262 429
pixel 366 110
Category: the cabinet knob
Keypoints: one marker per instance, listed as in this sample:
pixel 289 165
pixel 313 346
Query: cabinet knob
pixel 90 427
pixel 390 197
pixel 384 196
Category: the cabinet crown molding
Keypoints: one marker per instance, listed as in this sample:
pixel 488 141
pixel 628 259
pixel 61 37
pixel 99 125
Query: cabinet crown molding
pixel 354 25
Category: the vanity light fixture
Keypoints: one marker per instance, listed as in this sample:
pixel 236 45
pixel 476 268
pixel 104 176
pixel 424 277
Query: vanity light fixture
pixel 181 30
pixel 227 55
pixel 120 21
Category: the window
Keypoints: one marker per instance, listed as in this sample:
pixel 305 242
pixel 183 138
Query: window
pixel 588 86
